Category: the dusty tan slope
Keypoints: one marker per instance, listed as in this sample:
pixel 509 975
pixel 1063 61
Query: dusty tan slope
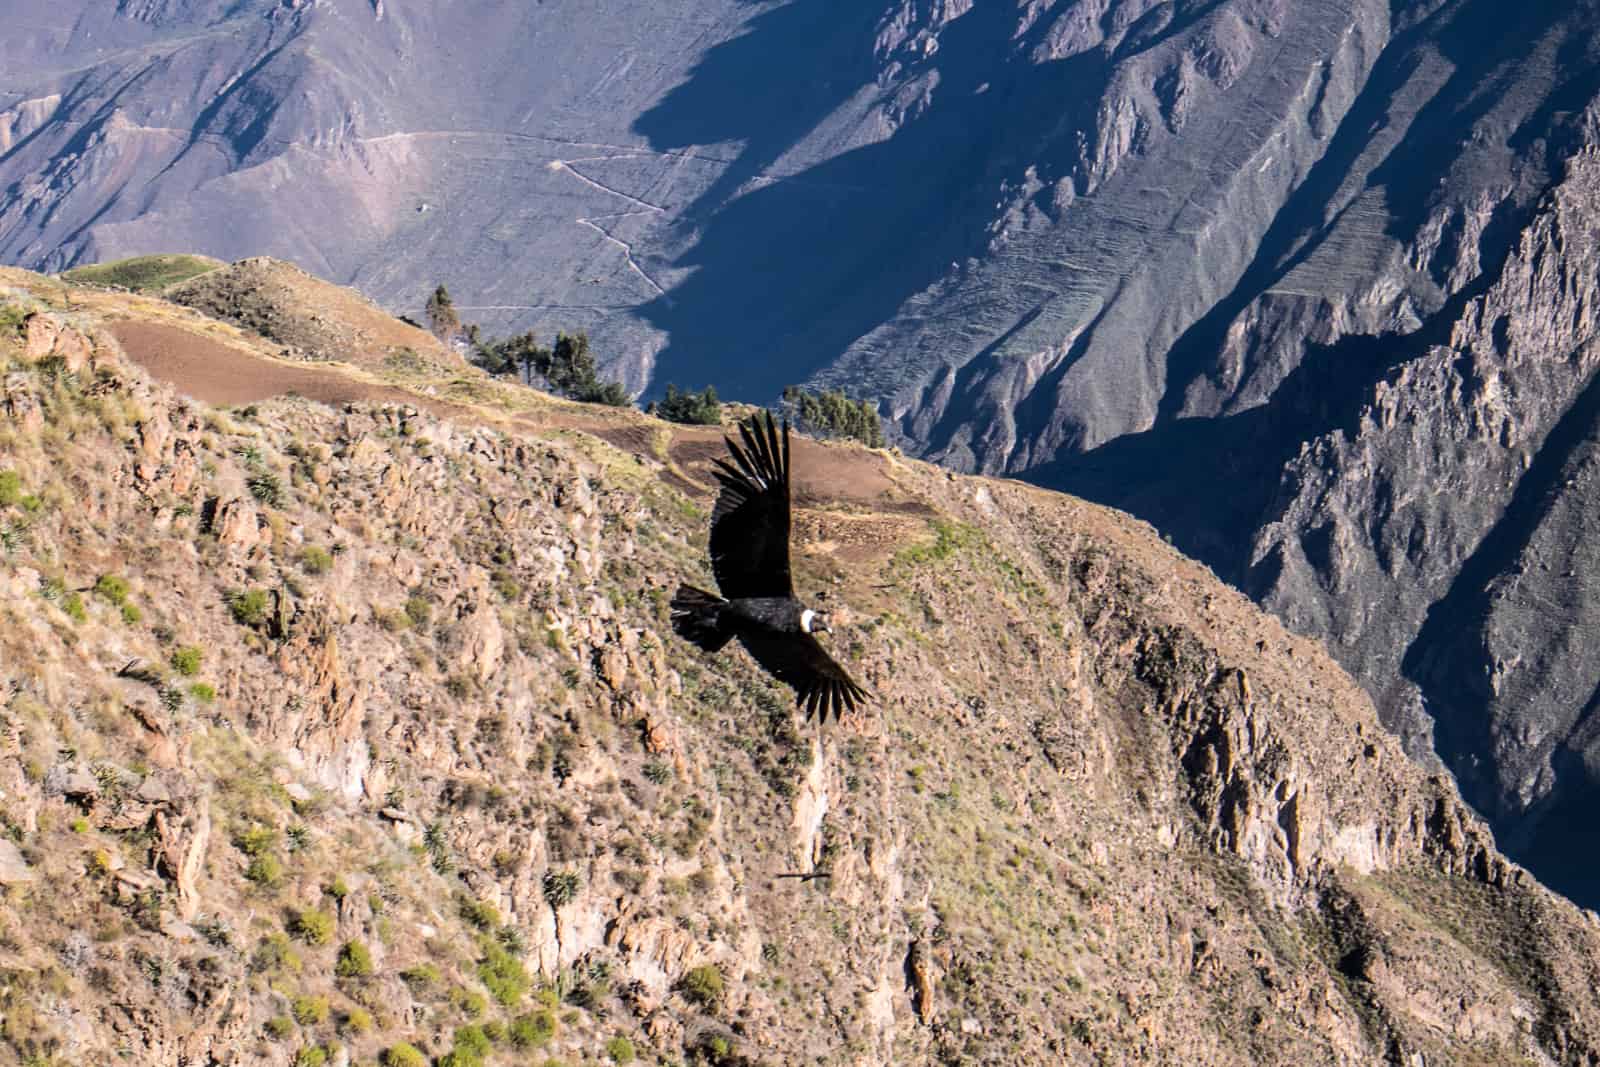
pixel 1104 812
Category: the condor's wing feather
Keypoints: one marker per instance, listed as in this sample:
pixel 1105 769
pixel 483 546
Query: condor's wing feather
pixel 821 686
pixel 750 522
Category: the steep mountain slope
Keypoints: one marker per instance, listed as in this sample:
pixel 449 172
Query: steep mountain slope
pixel 358 726
pixel 1269 275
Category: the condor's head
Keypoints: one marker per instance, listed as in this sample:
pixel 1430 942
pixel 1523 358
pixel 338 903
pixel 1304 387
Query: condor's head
pixel 812 622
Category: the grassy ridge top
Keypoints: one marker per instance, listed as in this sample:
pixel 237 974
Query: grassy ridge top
pixel 142 274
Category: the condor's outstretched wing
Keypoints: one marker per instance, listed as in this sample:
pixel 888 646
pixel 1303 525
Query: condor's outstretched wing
pixel 821 686
pixel 750 522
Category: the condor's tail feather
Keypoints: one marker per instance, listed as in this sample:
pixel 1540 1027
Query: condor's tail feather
pixel 697 617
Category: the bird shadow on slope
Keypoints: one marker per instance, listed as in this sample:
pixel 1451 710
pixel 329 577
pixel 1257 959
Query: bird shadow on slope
pixel 785 272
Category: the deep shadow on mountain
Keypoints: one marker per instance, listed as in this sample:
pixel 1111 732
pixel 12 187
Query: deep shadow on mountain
pixel 1209 484
pixel 1481 41
pixel 788 274
pixel 1206 483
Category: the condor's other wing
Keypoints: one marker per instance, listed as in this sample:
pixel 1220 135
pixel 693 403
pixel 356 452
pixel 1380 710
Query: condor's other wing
pixel 821 686
pixel 750 522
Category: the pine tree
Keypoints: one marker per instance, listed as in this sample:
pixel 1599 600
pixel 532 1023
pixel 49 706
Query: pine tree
pixel 443 321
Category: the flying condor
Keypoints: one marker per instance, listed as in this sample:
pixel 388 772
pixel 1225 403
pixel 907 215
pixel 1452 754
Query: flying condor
pixel 750 558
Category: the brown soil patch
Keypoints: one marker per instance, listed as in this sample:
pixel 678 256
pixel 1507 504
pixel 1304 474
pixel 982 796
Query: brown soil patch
pixel 218 373
pixel 822 474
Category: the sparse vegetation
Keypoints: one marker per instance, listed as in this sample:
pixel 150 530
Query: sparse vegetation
pixel 543 773
pixel 502 973
pixel 264 870
pixel 141 274
pixel 72 606
pixel 533 1030
pixel 421 976
pixel 703 985
pixel 265 487
pixel 355 961
pixel 312 925
pixel 249 606
pixel 187 659
pixel 315 560
pixel 403 1055
pixel 112 589
pixel 561 888
pixel 310 1010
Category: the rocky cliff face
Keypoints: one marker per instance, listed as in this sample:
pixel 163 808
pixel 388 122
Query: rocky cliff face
pixel 362 725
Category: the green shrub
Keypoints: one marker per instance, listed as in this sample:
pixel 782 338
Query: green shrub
pixel 695 409
pixel 312 925
pixel 314 560
pixel 418 610
pixel 256 840
pixel 186 660
pixel 403 1055
pixel 620 1049
pixel 703 985
pixel 472 1039
pixel 249 606
pixel 10 489
pixel 279 1027
pixel 421 976
pixel 561 888
pixel 502 974
pixel 479 913
pixel 131 615
pixel 355 961
pixel 72 604
pixel 264 870
pixel 356 1021
pixel 534 1030
pixel 311 1056
pixel 310 1010
pixel 467 1002
pixel 112 589
pixel 275 952
pixel 203 692
pixel 265 487
pixel 460 1058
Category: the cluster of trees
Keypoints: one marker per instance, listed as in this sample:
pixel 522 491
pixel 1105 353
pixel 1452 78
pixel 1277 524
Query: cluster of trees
pixel 568 369
pixel 697 409
pixel 832 414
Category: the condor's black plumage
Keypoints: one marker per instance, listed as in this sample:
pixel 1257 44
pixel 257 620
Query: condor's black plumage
pixel 750 558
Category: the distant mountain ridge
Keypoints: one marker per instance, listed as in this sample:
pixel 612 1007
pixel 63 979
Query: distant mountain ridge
pixel 1307 285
